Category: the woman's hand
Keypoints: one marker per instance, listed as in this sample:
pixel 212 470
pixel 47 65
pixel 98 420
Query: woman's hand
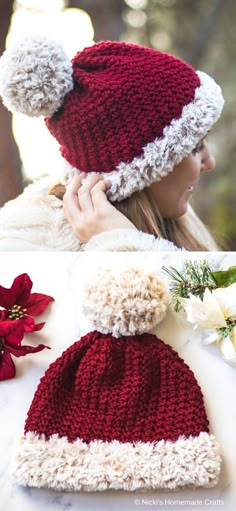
pixel 87 209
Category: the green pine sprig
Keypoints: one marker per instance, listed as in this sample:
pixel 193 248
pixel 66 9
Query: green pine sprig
pixel 194 278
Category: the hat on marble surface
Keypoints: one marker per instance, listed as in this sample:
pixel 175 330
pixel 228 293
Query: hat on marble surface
pixel 118 109
pixel 119 409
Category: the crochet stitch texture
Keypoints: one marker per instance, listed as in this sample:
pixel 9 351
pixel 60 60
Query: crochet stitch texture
pixel 123 98
pixel 131 389
pixel 126 112
pixel 118 411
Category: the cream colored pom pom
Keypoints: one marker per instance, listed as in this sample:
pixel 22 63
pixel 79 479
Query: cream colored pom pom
pixel 125 303
pixel 35 76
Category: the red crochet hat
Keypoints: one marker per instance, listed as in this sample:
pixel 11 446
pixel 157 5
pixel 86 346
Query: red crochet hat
pixel 119 411
pixel 124 111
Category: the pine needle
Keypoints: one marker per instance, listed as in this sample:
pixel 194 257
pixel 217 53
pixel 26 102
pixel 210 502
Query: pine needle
pixel 194 278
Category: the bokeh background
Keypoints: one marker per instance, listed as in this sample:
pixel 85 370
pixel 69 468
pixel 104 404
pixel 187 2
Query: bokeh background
pixel 202 32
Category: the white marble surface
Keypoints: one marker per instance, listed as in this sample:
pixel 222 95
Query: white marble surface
pixel 62 275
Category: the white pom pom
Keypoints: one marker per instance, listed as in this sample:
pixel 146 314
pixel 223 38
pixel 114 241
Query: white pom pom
pixel 125 303
pixel 35 76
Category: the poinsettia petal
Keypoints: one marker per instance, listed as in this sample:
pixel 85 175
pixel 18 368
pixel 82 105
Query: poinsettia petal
pixel 39 326
pixel 20 289
pixel 12 331
pixel 6 297
pixel 37 303
pixel 7 366
pixel 209 336
pixel 226 297
pixel 21 351
pixel 226 348
pixel 3 315
pixel 29 323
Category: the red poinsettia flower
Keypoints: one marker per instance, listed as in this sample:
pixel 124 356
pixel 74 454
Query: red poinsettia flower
pixel 11 335
pixel 20 304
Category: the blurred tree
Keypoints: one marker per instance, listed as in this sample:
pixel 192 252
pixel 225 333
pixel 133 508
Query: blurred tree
pixel 106 16
pixel 10 164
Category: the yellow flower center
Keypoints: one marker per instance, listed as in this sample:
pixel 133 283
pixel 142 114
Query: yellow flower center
pixel 16 312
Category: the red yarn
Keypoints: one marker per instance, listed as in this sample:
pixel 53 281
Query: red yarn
pixel 123 98
pixel 128 389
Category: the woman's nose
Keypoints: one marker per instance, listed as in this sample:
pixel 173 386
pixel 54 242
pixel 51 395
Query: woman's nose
pixel 208 161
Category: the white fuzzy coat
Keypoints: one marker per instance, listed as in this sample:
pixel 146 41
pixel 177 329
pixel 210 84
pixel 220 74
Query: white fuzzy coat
pixel 36 221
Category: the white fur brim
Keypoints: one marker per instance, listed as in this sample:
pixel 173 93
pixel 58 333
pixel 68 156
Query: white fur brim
pixel 128 240
pixel 160 156
pixel 99 466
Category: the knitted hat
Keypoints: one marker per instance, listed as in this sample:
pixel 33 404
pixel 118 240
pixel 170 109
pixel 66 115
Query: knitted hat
pixel 119 411
pixel 124 111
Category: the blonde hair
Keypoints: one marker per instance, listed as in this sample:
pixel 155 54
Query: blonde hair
pixel 187 231
pixel 142 210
